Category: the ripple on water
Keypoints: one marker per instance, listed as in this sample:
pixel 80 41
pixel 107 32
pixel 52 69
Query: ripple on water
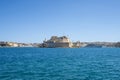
pixel 59 64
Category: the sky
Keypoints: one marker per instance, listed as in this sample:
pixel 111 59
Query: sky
pixel 32 21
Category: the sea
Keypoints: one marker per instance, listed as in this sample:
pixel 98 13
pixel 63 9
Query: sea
pixel 59 63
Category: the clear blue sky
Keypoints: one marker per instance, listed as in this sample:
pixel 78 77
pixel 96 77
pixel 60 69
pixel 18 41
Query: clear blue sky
pixel 35 20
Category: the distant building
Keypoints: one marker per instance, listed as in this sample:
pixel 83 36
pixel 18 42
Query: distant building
pixel 8 44
pixel 57 42
pixel 117 44
pixel 3 44
pixel 12 44
pixel 77 44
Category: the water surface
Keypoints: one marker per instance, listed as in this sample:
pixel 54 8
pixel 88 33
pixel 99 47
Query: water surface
pixel 59 64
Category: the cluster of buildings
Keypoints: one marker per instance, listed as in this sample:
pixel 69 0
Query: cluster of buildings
pixel 15 44
pixel 65 42
pixel 53 42
pixel 57 42
pixel 5 44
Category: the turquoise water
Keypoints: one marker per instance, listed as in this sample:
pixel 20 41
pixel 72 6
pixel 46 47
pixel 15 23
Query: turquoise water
pixel 59 64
